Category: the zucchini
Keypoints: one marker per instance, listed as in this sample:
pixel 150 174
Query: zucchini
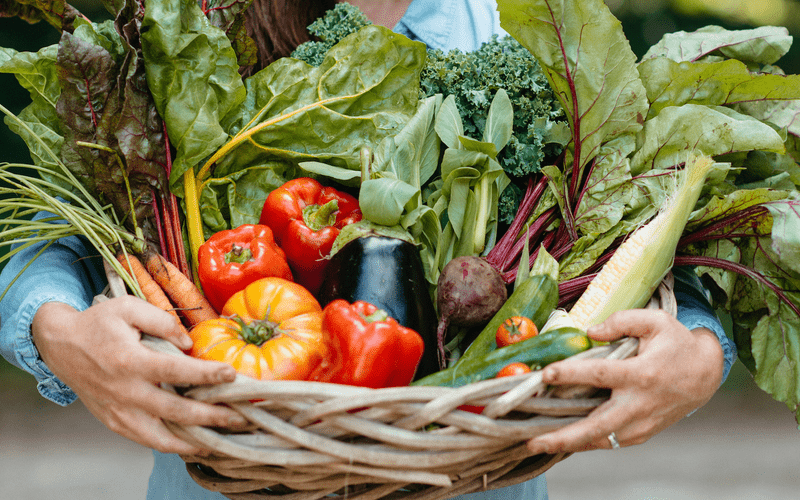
pixel 535 298
pixel 535 352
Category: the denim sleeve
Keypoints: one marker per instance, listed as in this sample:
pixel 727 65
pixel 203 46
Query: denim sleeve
pixel 694 311
pixel 62 273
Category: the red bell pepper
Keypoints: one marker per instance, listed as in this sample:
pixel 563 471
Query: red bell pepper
pixel 232 259
pixel 366 347
pixel 306 218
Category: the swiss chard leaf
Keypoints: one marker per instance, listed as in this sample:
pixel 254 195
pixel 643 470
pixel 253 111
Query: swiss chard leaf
pixel 717 83
pixel 36 72
pixel 712 130
pixel 114 138
pixel 193 75
pixel 762 45
pixel 229 16
pixel 366 89
pixel 589 64
pixel 57 13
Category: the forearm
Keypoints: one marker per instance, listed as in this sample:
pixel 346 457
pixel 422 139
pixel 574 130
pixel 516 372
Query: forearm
pixel 61 274
pixel 695 313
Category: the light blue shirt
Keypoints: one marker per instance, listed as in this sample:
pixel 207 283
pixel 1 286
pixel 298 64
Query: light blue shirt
pixel 63 274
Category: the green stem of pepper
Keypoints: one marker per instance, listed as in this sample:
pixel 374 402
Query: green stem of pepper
pixel 238 254
pixel 317 217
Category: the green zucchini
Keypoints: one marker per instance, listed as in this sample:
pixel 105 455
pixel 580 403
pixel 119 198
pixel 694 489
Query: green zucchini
pixel 535 298
pixel 535 352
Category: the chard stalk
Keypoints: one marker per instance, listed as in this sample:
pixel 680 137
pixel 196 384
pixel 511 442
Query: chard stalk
pixel 194 223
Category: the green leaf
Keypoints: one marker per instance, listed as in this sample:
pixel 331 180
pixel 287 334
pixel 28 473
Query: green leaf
pixel 711 130
pixel 671 83
pixel 344 175
pixel 608 189
pixel 589 64
pixel 545 264
pixel 500 121
pixel 487 148
pixel 717 208
pixel 412 155
pixel 585 252
pixel 229 16
pixel 36 72
pixel 763 45
pixel 57 13
pixel 448 123
pixel 193 74
pixel 366 89
pixel 786 233
pixel 383 200
pixel 725 280
pixel 782 114
pixel 775 344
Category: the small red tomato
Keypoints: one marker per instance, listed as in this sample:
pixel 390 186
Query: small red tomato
pixel 512 369
pixel 515 329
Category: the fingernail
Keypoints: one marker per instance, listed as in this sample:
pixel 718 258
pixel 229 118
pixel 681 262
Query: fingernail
pixel 227 374
pixel 549 374
pixel 186 342
pixel 237 421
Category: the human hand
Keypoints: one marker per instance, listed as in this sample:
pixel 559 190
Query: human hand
pixel 98 354
pixel 675 372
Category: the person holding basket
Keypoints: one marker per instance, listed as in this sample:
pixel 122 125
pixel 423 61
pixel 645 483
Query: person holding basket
pixel 78 350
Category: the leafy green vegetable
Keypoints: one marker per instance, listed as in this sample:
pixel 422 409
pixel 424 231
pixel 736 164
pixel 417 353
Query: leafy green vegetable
pixel 193 75
pixel 473 79
pixel 57 13
pixel 763 45
pixel 714 92
pixel 343 20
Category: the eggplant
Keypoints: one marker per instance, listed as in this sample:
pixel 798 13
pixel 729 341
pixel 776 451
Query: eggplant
pixel 388 273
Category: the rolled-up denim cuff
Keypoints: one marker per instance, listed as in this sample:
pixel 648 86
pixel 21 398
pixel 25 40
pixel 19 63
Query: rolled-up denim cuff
pixel 27 355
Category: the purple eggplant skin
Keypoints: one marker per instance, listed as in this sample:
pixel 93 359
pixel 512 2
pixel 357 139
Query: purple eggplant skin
pixel 388 273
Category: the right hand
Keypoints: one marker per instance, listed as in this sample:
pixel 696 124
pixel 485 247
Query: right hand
pixel 98 354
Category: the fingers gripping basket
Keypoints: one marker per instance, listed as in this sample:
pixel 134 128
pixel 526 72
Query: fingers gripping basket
pixel 311 440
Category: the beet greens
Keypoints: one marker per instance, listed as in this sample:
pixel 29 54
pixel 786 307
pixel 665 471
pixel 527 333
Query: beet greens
pixel 714 92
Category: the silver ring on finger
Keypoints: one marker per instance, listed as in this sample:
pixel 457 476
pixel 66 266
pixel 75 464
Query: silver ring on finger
pixel 612 438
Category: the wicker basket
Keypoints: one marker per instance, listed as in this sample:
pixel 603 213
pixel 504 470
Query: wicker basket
pixel 311 440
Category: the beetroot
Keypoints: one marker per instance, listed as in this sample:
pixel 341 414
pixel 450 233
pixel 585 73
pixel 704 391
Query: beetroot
pixel 469 292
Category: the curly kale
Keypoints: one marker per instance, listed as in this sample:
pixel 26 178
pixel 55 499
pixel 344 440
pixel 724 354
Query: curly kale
pixel 337 23
pixel 540 127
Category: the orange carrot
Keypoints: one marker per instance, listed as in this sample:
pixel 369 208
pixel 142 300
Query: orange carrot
pixel 153 293
pixel 180 289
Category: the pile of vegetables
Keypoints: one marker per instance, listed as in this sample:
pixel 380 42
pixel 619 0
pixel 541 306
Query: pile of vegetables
pixel 525 165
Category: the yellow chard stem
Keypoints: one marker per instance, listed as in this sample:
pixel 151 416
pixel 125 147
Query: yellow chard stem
pixel 633 273
pixel 194 223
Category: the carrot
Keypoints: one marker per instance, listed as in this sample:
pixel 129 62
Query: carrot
pixel 180 289
pixel 153 293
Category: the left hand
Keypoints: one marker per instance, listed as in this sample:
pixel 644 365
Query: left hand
pixel 675 372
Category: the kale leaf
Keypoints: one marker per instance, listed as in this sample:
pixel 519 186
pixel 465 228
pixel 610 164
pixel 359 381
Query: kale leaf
pixel 540 128
pixel 330 29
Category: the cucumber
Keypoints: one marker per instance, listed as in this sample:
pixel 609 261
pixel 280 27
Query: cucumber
pixel 535 352
pixel 535 298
